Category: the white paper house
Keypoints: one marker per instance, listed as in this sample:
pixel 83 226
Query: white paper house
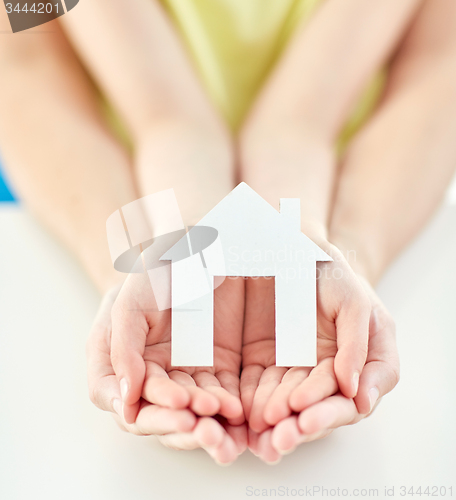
pixel 253 240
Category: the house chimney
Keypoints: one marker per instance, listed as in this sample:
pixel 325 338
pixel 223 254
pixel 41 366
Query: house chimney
pixel 291 208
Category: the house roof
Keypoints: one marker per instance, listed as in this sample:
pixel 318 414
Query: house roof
pixel 244 219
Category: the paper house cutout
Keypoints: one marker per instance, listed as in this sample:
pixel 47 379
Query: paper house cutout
pixel 253 240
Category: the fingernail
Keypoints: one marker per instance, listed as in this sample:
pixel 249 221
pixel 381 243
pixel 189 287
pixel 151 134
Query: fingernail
pixel 286 452
pixel 373 396
pixel 356 382
pixel 273 463
pixel 221 464
pixel 117 405
pixel 124 388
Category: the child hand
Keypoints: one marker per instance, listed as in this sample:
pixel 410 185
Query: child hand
pixel 141 347
pixel 269 393
pixel 379 376
pixel 160 399
pixel 309 413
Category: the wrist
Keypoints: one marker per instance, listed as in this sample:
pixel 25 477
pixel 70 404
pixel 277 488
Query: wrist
pixel 276 109
pixel 195 161
pixel 281 162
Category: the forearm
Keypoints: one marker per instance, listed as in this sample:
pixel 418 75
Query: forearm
pixel 180 141
pixel 328 63
pixel 63 163
pixel 137 59
pixel 196 162
pixel 288 163
pixel 287 143
pixel 395 174
pixel 397 170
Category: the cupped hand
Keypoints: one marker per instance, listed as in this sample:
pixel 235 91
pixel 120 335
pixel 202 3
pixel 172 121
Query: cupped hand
pixel 315 405
pixel 141 354
pixel 284 407
pixel 271 393
pixel 130 341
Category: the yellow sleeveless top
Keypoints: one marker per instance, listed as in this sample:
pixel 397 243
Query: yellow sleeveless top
pixel 235 43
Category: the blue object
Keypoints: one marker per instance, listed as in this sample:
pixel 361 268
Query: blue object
pixel 5 191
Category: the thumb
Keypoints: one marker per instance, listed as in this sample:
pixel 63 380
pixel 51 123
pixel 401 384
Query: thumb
pixel 103 385
pixel 378 378
pixel 352 327
pixel 129 331
pixel 381 373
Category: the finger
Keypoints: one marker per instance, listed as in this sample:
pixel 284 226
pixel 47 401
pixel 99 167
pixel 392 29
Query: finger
pixel 252 440
pixel 206 433
pixel 156 420
pixel 266 451
pixel 209 432
pixel 381 373
pixel 103 385
pixel 378 378
pixel 333 412
pixel 250 378
pixel 239 434
pixel 277 407
pixel 230 381
pixel 129 331
pixel 181 441
pixel 286 435
pixel 159 389
pixel 120 422
pixel 270 379
pixel 225 453
pixel 215 440
pixel 307 438
pixel 320 384
pixel 202 402
pixel 104 393
pixel 352 325
pixel 230 405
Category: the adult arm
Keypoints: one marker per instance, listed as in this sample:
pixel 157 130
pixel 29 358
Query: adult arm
pixel 287 143
pixel 409 151
pixel 64 163
pixel 398 168
pixel 137 59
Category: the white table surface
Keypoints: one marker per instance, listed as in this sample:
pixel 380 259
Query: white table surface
pixel 55 445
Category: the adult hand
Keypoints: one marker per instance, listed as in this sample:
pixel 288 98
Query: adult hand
pixel 270 393
pixel 312 416
pixel 379 376
pixel 174 395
